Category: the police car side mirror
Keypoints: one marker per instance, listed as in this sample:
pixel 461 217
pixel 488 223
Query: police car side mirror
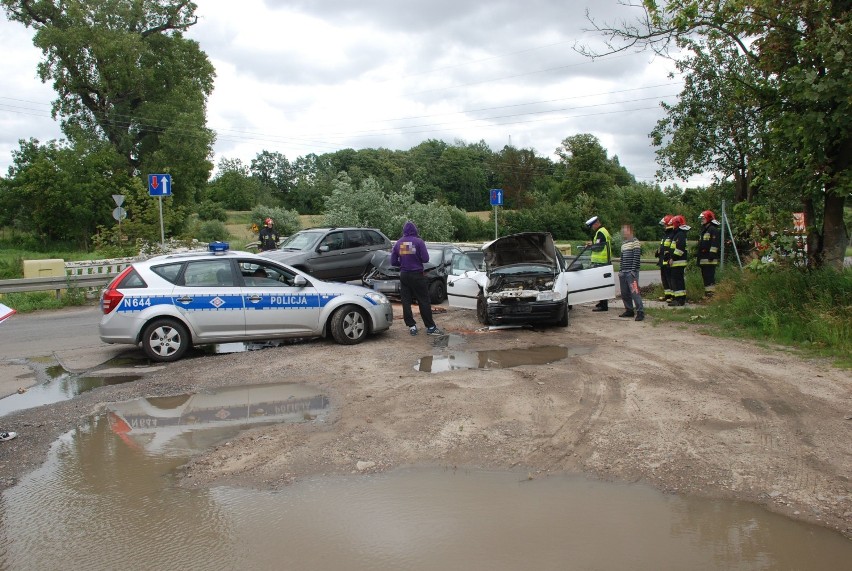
pixel 300 281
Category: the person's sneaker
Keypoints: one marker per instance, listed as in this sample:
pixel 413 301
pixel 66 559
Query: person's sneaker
pixel 599 308
pixel 627 313
pixel 640 316
pixel 4 436
pixel 413 330
pixel 434 331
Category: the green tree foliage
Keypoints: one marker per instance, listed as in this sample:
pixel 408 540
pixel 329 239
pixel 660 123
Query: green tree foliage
pixel 274 172
pixel 717 124
pixel 586 168
pixel 797 56
pixel 233 187
pixel 62 193
pixel 125 74
pixel 367 205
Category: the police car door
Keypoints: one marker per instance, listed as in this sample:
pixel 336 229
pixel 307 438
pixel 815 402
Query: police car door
pixel 587 282
pixel 275 306
pixel 210 299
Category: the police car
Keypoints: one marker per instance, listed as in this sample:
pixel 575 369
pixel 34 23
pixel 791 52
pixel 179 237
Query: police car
pixel 169 303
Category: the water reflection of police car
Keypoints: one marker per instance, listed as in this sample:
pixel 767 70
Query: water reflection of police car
pixel 171 302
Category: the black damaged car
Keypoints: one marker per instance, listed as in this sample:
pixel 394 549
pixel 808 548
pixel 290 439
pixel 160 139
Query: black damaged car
pixel 381 276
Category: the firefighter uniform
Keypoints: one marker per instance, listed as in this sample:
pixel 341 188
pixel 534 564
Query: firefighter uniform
pixel 664 254
pixel 709 243
pixel 677 262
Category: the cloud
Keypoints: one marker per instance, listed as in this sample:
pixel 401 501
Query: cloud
pixel 302 76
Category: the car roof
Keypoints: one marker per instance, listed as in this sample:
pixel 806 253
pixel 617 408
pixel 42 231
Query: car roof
pixel 197 255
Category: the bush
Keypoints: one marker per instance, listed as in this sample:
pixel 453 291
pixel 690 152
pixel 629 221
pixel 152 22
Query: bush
pixel 209 210
pixel 212 231
pixel 286 221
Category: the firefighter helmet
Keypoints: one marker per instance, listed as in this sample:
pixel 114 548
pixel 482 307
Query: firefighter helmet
pixel 678 221
pixel 707 215
pixel 666 220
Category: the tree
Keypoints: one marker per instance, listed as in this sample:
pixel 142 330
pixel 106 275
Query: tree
pixel 586 169
pixel 798 55
pixel 124 73
pixel 61 192
pixel 273 170
pixel 717 124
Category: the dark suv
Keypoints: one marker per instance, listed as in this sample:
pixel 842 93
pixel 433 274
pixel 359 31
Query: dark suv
pixel 339 254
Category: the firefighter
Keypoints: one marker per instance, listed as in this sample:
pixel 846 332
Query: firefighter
pixel 677 261
pixel 268 236
pixel 708 250
pixel 601 252
pixel 664 254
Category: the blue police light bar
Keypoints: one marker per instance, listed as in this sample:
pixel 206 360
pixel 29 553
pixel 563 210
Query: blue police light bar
pixel 218 247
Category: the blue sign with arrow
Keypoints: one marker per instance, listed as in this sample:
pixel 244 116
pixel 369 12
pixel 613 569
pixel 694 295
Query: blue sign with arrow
pixel 160 184
pixel 496 197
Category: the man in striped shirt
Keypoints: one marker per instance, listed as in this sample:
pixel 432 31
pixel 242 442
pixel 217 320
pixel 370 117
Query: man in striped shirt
pixel 628 274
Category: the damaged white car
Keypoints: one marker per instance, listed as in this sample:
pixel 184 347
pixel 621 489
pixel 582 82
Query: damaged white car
pixel 527 281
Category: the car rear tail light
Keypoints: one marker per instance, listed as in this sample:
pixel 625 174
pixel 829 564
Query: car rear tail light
pixel 111 296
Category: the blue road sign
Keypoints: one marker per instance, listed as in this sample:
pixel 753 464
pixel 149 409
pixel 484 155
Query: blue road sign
pixel 160 184
pixel 496 197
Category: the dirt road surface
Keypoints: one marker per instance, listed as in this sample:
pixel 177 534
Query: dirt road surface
pixel 655 402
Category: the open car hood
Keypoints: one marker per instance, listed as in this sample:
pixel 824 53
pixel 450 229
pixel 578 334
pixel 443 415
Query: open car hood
pixel 524 248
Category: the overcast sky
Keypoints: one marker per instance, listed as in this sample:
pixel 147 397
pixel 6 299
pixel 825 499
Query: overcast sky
pixel 314 76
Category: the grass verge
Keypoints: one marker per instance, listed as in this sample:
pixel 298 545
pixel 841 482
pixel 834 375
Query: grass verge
pixel 809 311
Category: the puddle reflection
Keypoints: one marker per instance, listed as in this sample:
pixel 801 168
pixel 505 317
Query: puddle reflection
pixel 190 422
pixel 497 358
pixel 61 386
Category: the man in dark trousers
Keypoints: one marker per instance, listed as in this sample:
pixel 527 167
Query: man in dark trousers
pixel 664 254
pixel 268 236
pixel 410 253
pixel 601 252
pixel 708 250
pixel 678 261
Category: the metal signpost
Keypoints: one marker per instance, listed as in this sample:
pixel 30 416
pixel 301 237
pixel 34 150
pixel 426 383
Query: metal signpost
pixel 119 213
pixel 160 185
pixel 496 200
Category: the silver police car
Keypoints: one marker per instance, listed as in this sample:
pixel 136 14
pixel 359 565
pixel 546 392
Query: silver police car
pixel 169 303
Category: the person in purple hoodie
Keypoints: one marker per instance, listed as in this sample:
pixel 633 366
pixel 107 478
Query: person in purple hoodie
pixel 410 253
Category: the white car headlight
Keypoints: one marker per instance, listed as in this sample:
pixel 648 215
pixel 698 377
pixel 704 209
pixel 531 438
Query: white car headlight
pixel 376 297
pixel 548 296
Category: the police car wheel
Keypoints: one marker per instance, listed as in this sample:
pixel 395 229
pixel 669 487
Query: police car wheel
pixel 349 325
pixel 165 340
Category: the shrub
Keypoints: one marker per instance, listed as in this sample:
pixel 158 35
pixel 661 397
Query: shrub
pixel 209 210
pixel 212 231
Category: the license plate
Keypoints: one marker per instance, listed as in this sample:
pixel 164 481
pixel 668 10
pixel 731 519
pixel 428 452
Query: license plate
pixel 519 309
pixel 386 286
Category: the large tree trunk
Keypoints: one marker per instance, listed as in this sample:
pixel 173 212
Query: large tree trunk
pixel 834 236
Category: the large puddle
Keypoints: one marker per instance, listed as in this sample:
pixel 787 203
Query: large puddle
pixel 106 499
pixel 497 358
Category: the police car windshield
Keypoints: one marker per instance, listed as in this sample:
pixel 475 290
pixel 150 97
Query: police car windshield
pixel 300 241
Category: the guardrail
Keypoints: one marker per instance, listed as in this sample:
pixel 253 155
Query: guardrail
pixel 88 274
pixel 57 283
